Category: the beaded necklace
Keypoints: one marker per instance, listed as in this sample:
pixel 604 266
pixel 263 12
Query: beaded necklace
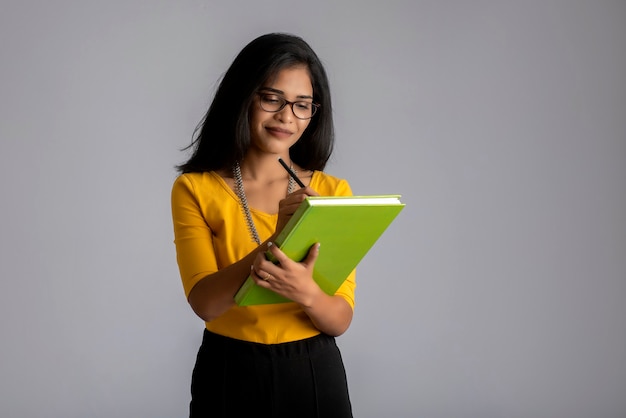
pixel 244 201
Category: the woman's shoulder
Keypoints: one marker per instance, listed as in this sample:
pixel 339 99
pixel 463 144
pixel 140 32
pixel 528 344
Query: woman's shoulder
pixel 208 181
pixel 328 185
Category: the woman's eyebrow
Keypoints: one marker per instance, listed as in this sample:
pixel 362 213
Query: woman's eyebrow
pixel 282 93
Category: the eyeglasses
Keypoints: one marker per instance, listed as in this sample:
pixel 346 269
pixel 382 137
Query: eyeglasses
pixel 274 103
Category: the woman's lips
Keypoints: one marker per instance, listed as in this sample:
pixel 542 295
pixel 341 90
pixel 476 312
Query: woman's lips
pixel 279 132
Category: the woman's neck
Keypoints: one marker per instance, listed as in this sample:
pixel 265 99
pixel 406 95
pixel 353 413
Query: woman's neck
pixel 264 167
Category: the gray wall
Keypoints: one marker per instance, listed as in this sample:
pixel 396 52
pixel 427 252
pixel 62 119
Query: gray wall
pixel 499 292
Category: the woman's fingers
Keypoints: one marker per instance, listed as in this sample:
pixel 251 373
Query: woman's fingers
pixel 287 277
pixel 261 277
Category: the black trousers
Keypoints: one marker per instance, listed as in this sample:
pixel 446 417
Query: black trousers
pixel 302 379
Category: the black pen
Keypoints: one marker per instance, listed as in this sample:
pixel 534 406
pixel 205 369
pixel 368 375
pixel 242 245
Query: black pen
pixel 291 173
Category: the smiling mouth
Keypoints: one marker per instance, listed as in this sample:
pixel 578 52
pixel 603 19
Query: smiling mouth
pixel 279 131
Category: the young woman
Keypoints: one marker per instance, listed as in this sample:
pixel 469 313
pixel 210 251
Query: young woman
pixel 229 203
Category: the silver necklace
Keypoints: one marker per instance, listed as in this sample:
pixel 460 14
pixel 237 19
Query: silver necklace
pixel 244 201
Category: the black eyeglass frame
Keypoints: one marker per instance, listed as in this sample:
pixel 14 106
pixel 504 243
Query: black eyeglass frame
pixel 286 102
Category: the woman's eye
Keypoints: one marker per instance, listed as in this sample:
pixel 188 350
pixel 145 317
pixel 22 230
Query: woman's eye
pixel 271 99
pixel 303 105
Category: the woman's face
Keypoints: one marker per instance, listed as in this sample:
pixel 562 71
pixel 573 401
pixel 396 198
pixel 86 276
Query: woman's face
pixel 276 132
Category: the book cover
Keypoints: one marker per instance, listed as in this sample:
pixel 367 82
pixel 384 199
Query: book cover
pixel 347 228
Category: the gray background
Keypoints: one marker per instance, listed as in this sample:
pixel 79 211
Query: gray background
pixel 499 292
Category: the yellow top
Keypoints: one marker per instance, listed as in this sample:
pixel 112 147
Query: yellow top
pixel 210 233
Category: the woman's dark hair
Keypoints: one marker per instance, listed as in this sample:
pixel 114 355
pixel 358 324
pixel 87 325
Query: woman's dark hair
pixel 223 137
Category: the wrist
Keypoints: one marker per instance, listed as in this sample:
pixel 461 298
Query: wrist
pixel 312 299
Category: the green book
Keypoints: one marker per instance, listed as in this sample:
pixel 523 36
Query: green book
pixel 346 227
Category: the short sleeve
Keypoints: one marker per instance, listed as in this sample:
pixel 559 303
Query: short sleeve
pixel 193 238
pixel 347 289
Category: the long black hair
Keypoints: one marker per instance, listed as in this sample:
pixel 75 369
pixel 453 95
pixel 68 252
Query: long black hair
pixel 223 136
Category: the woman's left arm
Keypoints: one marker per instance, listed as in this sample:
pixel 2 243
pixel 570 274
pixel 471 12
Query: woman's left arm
pixel 330 314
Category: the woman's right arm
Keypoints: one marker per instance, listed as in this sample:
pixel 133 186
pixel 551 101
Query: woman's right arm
pixel 214 294
pixel 209 288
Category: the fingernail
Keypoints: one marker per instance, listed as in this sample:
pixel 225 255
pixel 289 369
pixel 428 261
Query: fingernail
pixel 269 245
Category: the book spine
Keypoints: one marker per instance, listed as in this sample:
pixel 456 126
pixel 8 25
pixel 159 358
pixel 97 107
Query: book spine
pixel 242 293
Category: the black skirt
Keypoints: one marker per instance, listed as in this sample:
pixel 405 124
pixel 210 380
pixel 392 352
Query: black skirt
pixel 303 379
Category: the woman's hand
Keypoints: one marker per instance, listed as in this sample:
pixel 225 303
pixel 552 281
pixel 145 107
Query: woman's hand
pixel 289 204
pixel 288 278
